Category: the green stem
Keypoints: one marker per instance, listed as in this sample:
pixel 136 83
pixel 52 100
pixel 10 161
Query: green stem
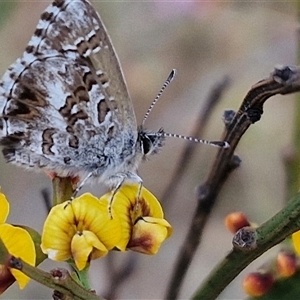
pixel 292 157
pixel 64 284
pixel 82 276
pixel 283 224
pixel 62 189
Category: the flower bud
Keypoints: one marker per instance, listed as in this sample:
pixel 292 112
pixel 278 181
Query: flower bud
pixel 258 283
pixel 235 221
pixel 286 263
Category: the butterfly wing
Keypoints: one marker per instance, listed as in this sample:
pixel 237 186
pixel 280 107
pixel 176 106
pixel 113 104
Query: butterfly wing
pixel 64 104
pixel 74 26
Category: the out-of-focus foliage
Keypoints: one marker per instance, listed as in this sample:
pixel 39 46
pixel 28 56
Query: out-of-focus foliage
pixel 6 7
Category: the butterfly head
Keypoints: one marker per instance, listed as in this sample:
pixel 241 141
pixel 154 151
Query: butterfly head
pixel 150 142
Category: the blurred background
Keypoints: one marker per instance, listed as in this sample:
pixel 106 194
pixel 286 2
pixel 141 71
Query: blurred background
pixel 204 41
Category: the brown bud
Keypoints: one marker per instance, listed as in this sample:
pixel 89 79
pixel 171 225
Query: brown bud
pixel 258 283
pixel 6 278
pixel 235 221
pixel 286 263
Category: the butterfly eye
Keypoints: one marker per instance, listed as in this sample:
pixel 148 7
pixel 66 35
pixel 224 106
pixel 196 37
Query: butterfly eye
pixel 147 145
pixel 151 142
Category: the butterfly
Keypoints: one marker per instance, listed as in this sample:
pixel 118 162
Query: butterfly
pixel 64 105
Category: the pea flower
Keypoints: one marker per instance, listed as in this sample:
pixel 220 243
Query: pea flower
pixel 18 243
pixel 81 230
pixel 296 241
pixel 142 219
pixel 87 227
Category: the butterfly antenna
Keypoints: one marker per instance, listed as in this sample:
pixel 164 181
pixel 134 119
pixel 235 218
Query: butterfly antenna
pixel 167 82
pixel 219 144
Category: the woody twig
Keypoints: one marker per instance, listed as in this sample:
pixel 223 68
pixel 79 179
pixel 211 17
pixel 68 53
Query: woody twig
pixel 283 80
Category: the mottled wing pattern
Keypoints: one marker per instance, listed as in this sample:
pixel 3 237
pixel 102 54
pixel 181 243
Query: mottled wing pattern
pixel 65 100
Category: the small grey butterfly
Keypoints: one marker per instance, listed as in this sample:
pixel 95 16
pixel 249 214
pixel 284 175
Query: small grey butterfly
pixel 64 105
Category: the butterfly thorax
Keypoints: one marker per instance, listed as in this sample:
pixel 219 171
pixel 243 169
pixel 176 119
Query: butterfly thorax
pixel 130 156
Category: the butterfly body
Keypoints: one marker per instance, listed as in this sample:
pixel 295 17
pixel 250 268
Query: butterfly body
pixel 64 105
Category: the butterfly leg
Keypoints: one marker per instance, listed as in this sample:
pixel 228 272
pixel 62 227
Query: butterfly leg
pixel 81 184
pixel 78 188
pixel 137 204
pixel 120 178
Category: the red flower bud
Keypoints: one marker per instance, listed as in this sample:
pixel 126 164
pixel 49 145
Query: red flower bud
pixel 286 263
pixel 236 221
pixel 258 283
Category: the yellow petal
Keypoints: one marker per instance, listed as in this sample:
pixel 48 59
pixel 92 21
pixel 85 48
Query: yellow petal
pixel 4 204
pixel 150 206
pixel 58 232
pixel 120 210
pixel 129 208
pixel 93 215
pixel 36 238
pixel 84 214
pixel 129 204
pixel 296 241
pixel 148 234
pixel 155 209
pixel 86 246
pixel 19 244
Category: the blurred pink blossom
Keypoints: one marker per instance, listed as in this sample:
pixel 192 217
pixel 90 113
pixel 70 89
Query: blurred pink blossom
pixel 171 9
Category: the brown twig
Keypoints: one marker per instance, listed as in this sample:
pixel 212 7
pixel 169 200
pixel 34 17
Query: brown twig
pixel 118 275
pixel 211 101
pixel 59 279
pixel 283 81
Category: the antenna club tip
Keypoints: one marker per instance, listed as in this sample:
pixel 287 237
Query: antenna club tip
pixel 226 145
pixel 172 75
pixel 220 144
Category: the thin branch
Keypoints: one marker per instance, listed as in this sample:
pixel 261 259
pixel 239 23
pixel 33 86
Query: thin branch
pixel 59 280
pixel 272 232
pixel 118 275
pixel 283 81
pixel 46 199
pixel 211 101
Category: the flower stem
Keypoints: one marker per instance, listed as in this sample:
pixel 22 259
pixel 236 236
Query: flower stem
pixel 272 232
pixel 83 277
pixel 62 189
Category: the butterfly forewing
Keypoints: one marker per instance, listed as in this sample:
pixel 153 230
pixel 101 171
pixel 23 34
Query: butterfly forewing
pixel 74 26
pixel 64 104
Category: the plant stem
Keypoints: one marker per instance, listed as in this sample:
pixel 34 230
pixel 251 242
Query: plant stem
pixel 62 189
pixel 272 232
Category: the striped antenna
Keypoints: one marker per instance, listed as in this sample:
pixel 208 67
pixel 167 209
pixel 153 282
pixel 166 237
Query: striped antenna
pixel 167 82
pixel 219 144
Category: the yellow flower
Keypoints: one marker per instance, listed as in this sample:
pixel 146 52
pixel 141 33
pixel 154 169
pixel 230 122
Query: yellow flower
pixel 87 228
pixel 18 243
pixel 148 234
pixel 81 230
pixel 4 204
pixel 143 225
pixel 296 241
